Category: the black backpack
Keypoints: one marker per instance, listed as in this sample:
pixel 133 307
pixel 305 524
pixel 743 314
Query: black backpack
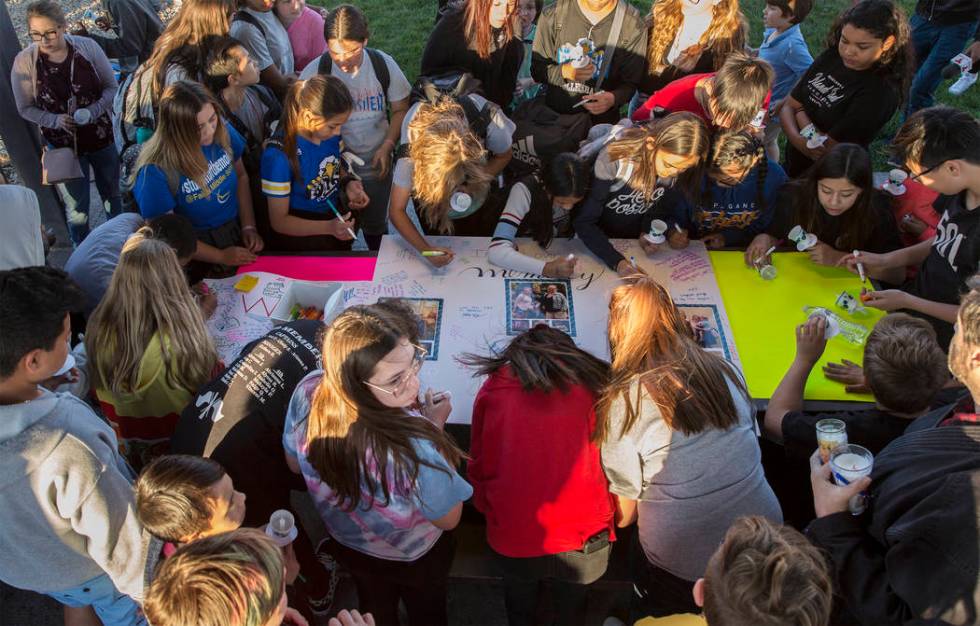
pixel 377 62
pixel 458 86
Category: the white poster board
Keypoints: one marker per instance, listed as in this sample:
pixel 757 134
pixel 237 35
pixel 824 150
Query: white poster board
pixel 472 304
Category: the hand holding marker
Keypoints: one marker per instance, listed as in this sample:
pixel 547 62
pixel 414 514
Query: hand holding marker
pixel 337 214
pixel 860 266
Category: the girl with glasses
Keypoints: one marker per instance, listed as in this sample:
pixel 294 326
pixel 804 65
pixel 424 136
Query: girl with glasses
pixel 65 85
pixel 378 464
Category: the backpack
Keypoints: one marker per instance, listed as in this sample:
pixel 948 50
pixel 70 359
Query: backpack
pixel 381 72
pixel 132 108
pixel 458 86
pixel 242 16
pixel 252 156
pixel 541 133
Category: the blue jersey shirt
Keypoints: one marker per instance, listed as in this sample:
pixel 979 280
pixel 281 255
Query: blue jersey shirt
pixel 219 206
pixel 319 179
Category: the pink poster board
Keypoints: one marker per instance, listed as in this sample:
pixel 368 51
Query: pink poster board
pixel 315 268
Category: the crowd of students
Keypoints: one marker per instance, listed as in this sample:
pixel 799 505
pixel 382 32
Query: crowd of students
pixel 135 466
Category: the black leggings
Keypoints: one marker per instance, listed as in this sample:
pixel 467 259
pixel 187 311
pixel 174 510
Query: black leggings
pixel 422 583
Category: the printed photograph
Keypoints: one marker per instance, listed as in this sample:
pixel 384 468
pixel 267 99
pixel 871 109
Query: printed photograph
pixel 429 311
pixel 705 324
pixel 531 302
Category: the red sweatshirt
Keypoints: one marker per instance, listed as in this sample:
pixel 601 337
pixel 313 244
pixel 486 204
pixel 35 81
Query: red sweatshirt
pixel 675 96
pixel 535 474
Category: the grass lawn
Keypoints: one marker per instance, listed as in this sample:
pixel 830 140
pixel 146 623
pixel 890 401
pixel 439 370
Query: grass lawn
pixel 401 27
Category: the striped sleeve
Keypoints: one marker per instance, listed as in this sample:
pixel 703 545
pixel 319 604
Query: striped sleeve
pixel 503 251
pixel 276 174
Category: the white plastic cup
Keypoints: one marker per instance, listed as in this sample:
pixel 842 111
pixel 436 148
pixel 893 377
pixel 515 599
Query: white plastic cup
pixel 849 463
pixel 460 202
pixel 831 434
pixel 581 62
pixel 768 272
pixel 282 528
pixel 82 116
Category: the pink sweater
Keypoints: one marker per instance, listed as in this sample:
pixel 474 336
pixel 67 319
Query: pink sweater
pixel 306 38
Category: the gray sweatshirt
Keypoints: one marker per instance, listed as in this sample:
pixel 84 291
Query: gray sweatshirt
pixel 66 503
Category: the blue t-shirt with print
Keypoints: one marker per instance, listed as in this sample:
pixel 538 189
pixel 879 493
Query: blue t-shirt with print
pixel 153 194
pixel 319 181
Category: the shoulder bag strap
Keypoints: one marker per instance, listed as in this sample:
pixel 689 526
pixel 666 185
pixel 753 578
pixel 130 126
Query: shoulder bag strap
pixel 607 57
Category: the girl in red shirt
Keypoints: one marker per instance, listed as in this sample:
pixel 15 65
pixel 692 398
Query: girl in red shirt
pixel 536 474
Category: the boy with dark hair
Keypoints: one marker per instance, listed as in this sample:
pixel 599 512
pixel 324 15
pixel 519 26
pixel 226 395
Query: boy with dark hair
pixel 785 49
pixel 763 574
pixel 181 498
pixel 66 503
pixel 940 147
pixel 94 260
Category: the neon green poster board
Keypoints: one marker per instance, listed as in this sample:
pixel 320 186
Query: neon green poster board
pixel 764 315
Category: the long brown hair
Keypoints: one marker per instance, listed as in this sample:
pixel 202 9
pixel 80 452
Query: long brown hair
pixel 323 96
pixel 651 341
pixel 883 19
pixel 682 133
pixel 544 359
pixel 175 147
pixel 445 153
pixel 852 163
pixel 725 34
pixel 357 444
pixel 148 295
pixel 184 35
pixel 477 29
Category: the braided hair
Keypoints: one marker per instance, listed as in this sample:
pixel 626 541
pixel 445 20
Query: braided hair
pixel 740 149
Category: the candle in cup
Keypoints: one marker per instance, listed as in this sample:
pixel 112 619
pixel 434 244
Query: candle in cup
pixel 849 463
pixel 830 434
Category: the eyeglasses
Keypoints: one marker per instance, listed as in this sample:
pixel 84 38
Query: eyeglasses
pixel 399 387
pixel 925 171
pixel 49 35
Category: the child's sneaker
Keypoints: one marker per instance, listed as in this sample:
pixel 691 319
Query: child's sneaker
pixel 964 82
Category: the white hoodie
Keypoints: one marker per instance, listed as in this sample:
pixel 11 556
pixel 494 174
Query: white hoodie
pixel 66 502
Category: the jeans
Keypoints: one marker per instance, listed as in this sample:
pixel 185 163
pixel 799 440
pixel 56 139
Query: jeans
pixel 105 164
pixel 567 575
pixel 112 607
pixel 935 45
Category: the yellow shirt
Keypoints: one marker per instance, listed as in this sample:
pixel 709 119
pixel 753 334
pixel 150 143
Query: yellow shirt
pixel 687 619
